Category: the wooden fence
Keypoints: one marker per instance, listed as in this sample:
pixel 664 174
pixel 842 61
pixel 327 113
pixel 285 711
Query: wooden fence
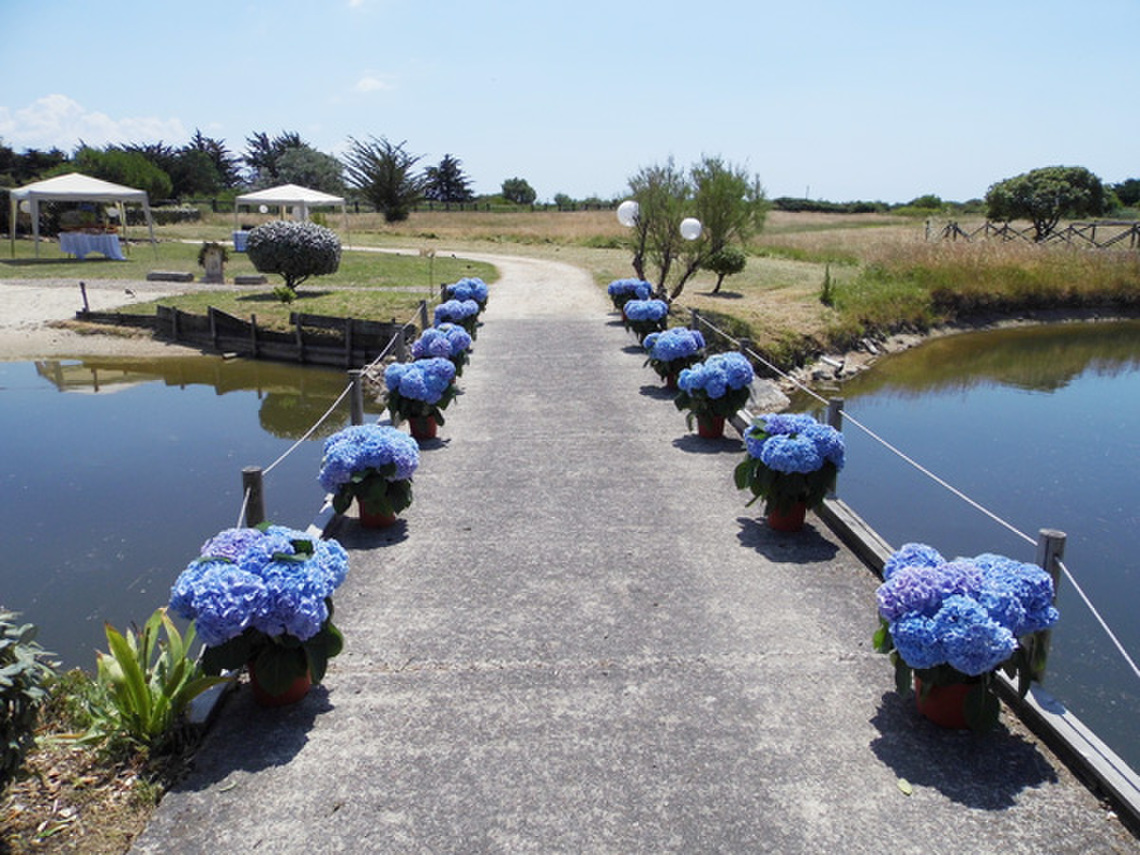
pixel 314 339
pixel 1100 235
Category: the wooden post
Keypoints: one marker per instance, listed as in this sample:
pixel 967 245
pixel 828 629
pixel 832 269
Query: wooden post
pixel 423 315
pixel 745 346
pixel 401 345
pixel 695 320
pixel 253 333
pixel 835 420
pixel 83 291
pixel 252 487
pixel 1050 551
pixel 356 396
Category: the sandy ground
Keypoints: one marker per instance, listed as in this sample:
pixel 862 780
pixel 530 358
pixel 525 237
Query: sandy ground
pixel 28 307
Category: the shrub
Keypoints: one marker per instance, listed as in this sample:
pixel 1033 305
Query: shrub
pixel 23 670
pixel 295 251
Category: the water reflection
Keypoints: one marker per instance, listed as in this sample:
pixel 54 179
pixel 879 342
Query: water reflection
pixel 1040 359
pixel 292 399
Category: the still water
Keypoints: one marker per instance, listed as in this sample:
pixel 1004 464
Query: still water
pixel 114 471
pixel 1041 426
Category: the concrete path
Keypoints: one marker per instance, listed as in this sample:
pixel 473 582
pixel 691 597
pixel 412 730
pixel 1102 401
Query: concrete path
pixel 578 639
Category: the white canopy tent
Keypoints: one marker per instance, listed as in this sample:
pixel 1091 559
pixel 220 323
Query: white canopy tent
pixel 300 199
pixel 74 187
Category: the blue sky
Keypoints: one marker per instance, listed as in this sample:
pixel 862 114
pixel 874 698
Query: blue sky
pixel 836 100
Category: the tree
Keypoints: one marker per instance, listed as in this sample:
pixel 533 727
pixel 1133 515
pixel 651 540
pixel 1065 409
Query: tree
pixel 295 251
pixel 130 168
pixel 226 163
pixel 1128 192
pixel 1043 196
pixel 384 172
pixel 730 206
pixel 725 262
pixel 308 167
pixel 446 182
pixel 262 154
pixel 517 190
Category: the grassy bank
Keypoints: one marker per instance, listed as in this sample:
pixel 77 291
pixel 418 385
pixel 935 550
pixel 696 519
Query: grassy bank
pixel 884 275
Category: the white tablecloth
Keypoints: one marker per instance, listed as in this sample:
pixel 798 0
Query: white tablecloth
pixel 79 244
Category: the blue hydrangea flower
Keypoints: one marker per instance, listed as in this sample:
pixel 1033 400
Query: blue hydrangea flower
pixel 230 543
pixel 362 447
pixel 785 423
pixel 911 590
pixel 455 311
pixel 672 344
pixel 917 641
pixel 791 454
pixel 646 310
pixel 636 289
pixel 974 644
pixel 423 380
pixel 468 288
pixel 912 555
pixel 272 585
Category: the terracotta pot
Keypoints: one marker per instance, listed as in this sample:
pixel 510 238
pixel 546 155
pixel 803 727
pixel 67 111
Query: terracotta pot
pixel 710 427
pixel 297 690
pixel 424 427
pixel 370 520
pixel 945 705
pixel 791 520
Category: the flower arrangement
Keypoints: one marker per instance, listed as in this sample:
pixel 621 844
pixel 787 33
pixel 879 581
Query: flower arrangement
pixel 949 622
pixel 621 291
pixel 465 313
pixel 421 389
pixel 672 350
pixel 468 288
pixel 373 464
pixel 719 386
pixel 447 340
pixel 646 316
pixel 263 597
pixel 790 459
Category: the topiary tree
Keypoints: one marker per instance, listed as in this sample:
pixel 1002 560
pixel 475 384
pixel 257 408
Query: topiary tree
pixel 22 673
pixel 727 261
pixel 295 251
pixel 1044 195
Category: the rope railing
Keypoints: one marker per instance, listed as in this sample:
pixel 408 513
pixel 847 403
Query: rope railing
pixel 742 344
pixel 252 510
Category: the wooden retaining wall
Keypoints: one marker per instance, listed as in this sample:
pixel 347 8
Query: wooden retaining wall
pixel 314 339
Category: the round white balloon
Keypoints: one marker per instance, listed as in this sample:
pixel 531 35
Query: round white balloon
pixel 690 228
pixel 627 212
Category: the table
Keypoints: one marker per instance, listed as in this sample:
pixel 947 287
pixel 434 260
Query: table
pixel 80 244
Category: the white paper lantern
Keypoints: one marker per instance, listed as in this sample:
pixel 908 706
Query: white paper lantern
pixel 627 212
pixel 690 228
pixel 26 206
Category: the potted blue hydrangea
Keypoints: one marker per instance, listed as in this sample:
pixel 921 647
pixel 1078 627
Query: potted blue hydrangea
pixel 419 391
pixel 372 464
pixel 791 462
pixel 262 598
pixel 714 390
pixel 621 291
pixel 462 312
pixel 952 624
pixel 646 316
pixel 671 351
pixel 447 340
pixel 468 288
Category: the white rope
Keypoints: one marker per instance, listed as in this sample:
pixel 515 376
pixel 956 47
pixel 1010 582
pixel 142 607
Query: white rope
pixel 1099 619
pixel 244 507
pixel 311 430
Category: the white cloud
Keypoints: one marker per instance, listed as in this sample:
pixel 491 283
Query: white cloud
pixel 59 121
pixel 372 83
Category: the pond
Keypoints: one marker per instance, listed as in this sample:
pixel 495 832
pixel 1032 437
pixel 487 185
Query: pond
pixel 1041 426
pixel 116 470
